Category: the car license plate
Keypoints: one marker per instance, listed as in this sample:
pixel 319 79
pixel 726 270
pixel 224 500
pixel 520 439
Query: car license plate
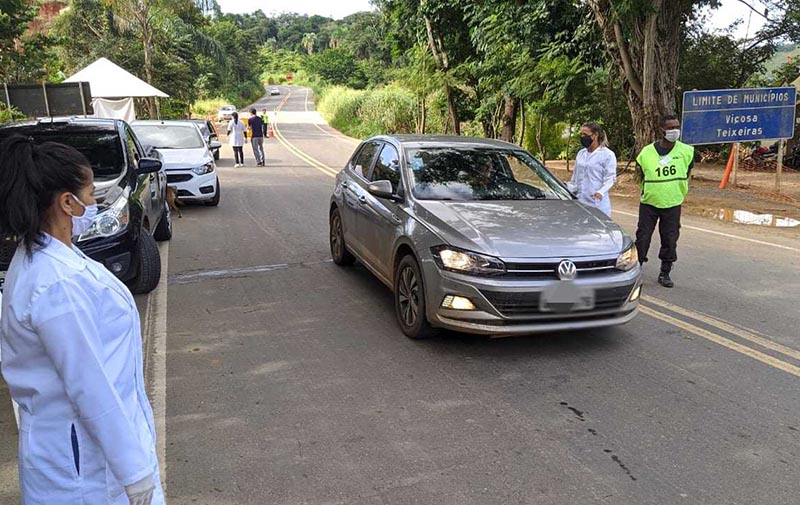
pixel 565 296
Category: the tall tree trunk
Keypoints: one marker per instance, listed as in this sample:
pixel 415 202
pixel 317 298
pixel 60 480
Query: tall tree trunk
pixel 522 120
pixel 442 62
pixel 539 145
pixel 509 119
pixel 147 41
pixel 645 48
pixel 422 116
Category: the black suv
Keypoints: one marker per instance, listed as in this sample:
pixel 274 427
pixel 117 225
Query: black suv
pixel 130 189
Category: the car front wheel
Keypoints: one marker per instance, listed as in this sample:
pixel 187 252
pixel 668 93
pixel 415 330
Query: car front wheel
pixel 339 253
pixel 409 300
pixel 215 200
pixel 148 265
pixel 164 229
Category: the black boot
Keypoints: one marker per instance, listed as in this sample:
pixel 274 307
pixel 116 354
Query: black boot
pixel 663 277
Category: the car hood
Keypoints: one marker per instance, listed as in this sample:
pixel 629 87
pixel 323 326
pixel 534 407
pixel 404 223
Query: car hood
pixel 174 159
pixel 552 229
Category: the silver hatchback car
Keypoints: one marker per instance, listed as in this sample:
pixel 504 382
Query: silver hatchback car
pixel 477 236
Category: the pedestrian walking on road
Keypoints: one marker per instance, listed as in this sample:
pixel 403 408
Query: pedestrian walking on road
pixel 663 169
pixel 257 132
pixel 71 341
pixel 595 169
pixel 236 135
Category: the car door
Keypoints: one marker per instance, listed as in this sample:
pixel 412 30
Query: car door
pixel 382 223
pixel 354 193
pixel 152 193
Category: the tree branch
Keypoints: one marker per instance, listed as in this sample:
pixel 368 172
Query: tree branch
pixel 622 46
pixel 744 2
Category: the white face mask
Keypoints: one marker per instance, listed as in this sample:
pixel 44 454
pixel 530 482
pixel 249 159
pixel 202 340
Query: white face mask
pixel 82 223
pixel 672 135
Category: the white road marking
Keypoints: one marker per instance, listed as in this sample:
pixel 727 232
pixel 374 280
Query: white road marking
pixel 721 234
pixel 155 337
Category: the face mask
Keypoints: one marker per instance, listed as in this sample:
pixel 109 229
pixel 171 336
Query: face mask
pixel 672 135
pixel 586 141
pixel 82 223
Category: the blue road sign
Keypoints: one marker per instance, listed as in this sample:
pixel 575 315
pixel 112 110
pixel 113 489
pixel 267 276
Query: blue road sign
pixel 738 115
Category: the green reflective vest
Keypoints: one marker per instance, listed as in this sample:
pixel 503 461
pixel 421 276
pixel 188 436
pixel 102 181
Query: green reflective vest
pixel 666 178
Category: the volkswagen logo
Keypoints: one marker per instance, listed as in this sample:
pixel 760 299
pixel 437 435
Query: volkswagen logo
pixel 567 271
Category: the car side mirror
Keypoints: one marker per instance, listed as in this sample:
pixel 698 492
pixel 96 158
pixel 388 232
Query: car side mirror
pixel 383 189
pixel 148 166
pixel 215 144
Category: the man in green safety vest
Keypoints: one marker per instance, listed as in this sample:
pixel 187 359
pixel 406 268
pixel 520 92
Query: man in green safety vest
pixel 663 168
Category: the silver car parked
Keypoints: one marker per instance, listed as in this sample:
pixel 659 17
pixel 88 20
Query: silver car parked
pixel 477 236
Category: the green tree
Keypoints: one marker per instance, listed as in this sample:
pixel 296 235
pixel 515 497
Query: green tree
pixel 23 57
pixel 309 39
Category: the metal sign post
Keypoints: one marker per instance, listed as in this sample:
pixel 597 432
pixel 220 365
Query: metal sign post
pixel 779 169
pixel 735 163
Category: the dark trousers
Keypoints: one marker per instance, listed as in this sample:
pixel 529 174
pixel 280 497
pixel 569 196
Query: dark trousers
pixel 238 154
pixel 669 229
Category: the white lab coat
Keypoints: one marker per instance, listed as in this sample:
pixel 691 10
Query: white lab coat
pixel 236 133
pixel 595 172
pixel 72 358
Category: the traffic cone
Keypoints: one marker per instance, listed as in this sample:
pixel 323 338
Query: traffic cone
pixel 270 133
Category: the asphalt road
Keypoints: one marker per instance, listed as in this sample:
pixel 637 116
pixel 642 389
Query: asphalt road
pixel 286 380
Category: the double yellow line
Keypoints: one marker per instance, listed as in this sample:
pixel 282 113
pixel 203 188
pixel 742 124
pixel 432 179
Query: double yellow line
pixel 315 163
pixel 723 327
pixel 783 363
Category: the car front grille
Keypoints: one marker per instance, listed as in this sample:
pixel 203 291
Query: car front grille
pixel 173 178
pixel 512 304
pixel 549 270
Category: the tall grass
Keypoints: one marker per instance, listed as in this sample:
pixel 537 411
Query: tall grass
pixel 363 113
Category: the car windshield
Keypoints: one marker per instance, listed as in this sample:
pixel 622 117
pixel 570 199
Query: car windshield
pixel 102 148
pixel 165 136
pixel 478 173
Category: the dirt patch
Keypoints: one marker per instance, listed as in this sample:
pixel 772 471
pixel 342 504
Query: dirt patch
pixel 753 192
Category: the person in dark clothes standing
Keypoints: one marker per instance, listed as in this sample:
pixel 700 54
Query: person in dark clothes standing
pixel 257 131
pixel 663 169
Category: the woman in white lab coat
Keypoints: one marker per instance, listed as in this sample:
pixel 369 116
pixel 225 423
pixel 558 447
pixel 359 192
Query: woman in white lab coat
pixel 595 169
pixel 237 132
pixel 71 342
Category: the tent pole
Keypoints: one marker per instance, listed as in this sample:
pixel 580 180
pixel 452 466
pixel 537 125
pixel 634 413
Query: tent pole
pixel 158 108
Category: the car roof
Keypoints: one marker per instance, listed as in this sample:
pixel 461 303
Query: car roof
pixel 417 141
pixel 63 123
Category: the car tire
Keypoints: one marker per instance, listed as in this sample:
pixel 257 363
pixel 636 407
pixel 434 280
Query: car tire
pixel 215 200
pixel 216 154
pixel 339 253
pixel 164 229
pixel 148 265
pixel 409 300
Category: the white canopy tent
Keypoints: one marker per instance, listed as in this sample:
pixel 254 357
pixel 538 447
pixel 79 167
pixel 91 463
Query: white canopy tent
pixel 113 89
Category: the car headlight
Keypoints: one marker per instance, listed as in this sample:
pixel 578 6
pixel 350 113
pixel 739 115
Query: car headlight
pixel 467 262
pixel 204 169
pixel 628 259
pixel 109 221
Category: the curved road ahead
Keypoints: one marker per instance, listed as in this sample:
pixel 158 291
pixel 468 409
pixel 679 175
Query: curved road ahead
pixel 286 380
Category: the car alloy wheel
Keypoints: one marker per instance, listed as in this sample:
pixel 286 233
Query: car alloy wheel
pixel 339 252
pixel 409 296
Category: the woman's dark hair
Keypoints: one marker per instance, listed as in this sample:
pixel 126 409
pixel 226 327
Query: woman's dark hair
pixel 597 129
pixel 31 175
pixel 235 116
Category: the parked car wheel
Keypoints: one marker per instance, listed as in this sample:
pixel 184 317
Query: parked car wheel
pixel 164 229
pixel 216 154
pixel 215 200
pixel 409 300
pixel 149 265
pixel 341 256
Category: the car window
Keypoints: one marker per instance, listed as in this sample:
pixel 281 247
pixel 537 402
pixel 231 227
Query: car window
pixel 102 148
pixel 363 161
pixel 387 168
pixel 130 145
pixel 165 136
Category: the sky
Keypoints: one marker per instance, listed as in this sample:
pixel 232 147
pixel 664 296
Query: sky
pixel 335 9
pixel 729 12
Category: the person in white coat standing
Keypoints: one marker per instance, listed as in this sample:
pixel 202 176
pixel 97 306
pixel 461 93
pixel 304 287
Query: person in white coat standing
pixel 595 169
pixel 237 132
pixel 71 342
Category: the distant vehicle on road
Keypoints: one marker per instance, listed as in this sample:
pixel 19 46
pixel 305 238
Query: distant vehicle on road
pixel 274 91
pixel 188 161
pixel 131 190
pixel 477 236
pixel 209 132
pixel 225 112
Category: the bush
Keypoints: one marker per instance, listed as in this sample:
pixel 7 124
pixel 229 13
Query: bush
pixel 205 108
pixel 360 113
